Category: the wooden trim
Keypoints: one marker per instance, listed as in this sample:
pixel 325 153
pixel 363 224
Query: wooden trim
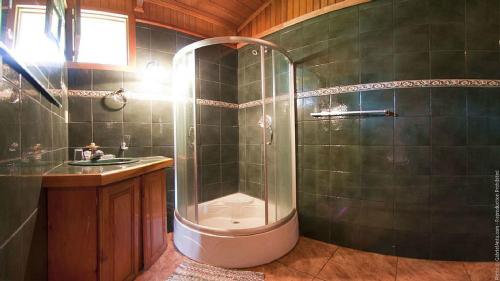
pixel 324 10
pixel 139 6
pixel 177 6
pixel 254 15
pixel 162 25
pixel 93 180
pixel 97 66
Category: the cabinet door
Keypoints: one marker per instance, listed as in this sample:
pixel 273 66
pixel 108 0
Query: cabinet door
pixel 119 221
pixel 154 216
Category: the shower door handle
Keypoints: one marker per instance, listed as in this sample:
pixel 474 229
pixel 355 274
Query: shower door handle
pixel 271 136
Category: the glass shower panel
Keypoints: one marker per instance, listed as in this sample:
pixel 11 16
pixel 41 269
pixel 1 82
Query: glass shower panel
pixel 185 136
pixel 280 143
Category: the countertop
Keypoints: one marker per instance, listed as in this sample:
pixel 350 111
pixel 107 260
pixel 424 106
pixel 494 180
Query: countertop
pixel 92 176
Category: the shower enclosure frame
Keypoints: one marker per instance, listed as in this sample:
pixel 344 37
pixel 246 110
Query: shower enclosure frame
pixel 284 228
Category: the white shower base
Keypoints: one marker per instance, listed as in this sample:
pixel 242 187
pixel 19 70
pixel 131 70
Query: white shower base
pixel 231 245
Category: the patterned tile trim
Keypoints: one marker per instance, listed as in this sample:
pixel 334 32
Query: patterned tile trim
pixel 217 103
pixel 130 95
pixel 471 83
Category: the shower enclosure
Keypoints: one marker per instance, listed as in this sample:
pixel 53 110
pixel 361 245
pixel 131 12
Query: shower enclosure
pixel 253 221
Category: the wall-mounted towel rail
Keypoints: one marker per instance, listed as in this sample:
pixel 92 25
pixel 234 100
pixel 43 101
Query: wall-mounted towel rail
pixel 384 112
pixel 11 60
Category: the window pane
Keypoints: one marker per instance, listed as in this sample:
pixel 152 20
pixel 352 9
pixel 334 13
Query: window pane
pixel 103 38
pixel 30 32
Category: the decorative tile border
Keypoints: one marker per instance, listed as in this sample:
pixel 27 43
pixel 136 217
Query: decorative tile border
pixel 217 103
pixel 471 83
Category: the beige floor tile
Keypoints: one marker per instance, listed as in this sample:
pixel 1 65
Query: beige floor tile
pixel 353 265
pixel 276 271
pixel 416 270
pixel 481 271
pixel 309 256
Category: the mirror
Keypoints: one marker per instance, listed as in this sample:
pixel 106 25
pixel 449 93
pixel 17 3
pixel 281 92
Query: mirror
pixel 33 32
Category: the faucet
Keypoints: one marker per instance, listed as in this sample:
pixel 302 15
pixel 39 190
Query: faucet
pixel 123 145
pixel 97 155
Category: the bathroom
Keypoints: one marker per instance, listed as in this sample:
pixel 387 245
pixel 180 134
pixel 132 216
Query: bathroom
pixel 281 140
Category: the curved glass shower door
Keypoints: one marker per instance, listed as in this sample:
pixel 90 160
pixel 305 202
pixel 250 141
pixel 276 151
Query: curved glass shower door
pixel 186 175
pixel 234 136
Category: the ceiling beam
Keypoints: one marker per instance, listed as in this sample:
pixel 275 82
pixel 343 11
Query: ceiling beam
pixel 254 14
pixel 180 7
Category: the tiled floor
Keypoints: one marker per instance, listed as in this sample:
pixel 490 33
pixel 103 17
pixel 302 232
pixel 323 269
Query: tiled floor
pixel 314 260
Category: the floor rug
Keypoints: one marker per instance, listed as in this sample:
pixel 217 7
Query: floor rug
pixel 193 271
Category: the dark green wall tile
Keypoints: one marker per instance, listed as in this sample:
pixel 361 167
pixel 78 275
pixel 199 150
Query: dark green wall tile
pixel 345 185
pixel 412 66
pixel 482 11
pixel 449 131
pixel 137 111
pixel 480 37
pixel 449 101
pixel 412 160
pixel 483 102
pixel 377 131
pixel 344 73
pixel 413 38
pixel 316 181
pixel 447 64
pixel 375 17
pixel 107 134
pixel 482 160
pixel 483 65
pixel 345 158
pixel 377 187
pixel 412 12
pixel 317 132
pixel 413 189
pixel 446 11
pixel 412 217
pixel 377 100
pixel 162 134
pixel 413 102
pixel 377 159
pixel 343 48
pixel 377 69
pixel 316 157
pixel 449 160
pixel 292 39
pixel 376 43
pixel 447 36
pixel 344 131
pixel 412 131
pixel 314 30
pixel 344 23
pixel 140 134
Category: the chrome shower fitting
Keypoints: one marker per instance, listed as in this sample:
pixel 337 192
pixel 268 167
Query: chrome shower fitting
pixel 268 125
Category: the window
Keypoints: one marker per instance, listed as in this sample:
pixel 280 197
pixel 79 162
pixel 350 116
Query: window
pixel 31 43
pixel 103 38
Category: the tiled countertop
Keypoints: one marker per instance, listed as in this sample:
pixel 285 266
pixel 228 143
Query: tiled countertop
pixel 91 176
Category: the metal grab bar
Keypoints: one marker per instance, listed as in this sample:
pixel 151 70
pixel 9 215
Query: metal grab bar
pixel 384 112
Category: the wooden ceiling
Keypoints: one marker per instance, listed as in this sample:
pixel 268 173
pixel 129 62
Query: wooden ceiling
pixel 210 18
pixel 205 17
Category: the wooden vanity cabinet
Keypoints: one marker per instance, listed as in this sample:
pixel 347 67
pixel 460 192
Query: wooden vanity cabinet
pixel 154 220
pixel 119 226
pixel 106 233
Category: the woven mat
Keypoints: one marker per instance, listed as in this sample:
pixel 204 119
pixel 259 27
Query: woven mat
pixel 193 271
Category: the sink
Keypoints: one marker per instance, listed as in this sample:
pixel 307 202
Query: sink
pixel 104 162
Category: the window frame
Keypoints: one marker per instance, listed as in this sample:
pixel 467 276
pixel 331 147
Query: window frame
pixel 131 42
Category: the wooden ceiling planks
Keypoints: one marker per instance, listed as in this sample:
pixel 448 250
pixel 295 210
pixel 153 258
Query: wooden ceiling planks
pixel 211 18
